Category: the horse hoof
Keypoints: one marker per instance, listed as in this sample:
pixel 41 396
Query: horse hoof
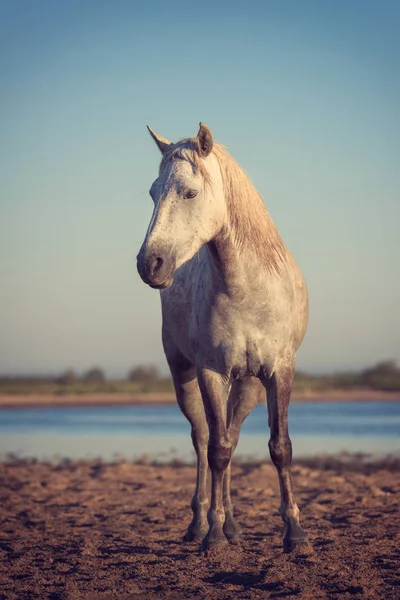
pixel 235 540
pixel 299 546
pixel 193 535
pixel 215 550
pixel 214 544
pixel 232 532
pixel 234 536
pixel 296 539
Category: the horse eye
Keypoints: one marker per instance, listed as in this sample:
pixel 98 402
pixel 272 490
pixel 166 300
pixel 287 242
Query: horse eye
pixel 190 194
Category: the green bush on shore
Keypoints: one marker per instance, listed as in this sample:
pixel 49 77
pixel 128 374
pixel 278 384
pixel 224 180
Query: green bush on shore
pixel 384 376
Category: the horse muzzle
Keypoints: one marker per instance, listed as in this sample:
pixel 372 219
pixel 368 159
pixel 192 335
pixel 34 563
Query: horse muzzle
pixel 155 270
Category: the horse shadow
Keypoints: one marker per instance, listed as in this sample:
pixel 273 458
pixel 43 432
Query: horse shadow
pixel 251 581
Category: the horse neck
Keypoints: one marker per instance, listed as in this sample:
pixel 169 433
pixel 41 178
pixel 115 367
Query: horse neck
pixel 238 260
pixel 233 269
pixel 225 264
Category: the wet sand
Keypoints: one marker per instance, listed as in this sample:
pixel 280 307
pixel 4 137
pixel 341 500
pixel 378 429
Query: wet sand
pixel 93 530
pixel 164 398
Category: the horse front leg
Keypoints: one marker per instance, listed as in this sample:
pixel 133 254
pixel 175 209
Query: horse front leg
pixel 198 528
pixel 279 388
pixel 242 399
pixel 191 404
pixel 214 389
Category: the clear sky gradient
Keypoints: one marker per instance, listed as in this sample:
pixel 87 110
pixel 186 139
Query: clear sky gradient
pixel 306 95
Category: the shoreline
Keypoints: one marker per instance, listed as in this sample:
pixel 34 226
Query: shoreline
pixel 166 398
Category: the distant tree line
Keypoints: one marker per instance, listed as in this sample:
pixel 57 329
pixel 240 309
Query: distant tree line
pixel 384 376
pixel 140 373
pixel 94 375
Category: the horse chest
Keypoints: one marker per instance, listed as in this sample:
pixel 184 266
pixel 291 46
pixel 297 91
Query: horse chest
pixel 239 333
pixel 236 337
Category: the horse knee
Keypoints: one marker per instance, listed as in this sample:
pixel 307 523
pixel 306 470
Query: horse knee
pixel 280 451
pixel 219 455
pixel 199 438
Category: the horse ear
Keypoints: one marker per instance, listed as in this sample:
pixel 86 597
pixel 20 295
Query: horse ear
pixel 205 140
pixel 162 143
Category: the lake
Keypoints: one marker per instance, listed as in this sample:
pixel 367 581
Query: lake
pixel 162 432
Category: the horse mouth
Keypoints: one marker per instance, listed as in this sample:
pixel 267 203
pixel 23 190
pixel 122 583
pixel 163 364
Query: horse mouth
pixel 162 286
pixel 155 271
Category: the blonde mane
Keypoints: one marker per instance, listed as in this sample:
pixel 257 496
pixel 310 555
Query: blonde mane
pixel 249 222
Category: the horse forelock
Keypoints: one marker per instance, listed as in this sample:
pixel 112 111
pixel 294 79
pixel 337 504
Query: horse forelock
pixel 186 149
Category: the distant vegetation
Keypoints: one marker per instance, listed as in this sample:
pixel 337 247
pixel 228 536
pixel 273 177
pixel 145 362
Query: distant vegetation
pixel 140 379
pixel 384 376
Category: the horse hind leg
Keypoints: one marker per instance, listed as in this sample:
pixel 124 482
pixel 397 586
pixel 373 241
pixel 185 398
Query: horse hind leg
pixel 243 397
pixel 278 397
pixel 191 404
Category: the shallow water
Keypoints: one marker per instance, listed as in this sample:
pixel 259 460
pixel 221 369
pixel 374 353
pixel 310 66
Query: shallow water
pixel 162 432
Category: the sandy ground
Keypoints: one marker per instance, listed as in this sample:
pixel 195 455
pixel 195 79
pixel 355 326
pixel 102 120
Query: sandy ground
pixel 92 530
pixel 163 398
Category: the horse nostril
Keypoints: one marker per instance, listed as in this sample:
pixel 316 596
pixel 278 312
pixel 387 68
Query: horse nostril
pixel 156 265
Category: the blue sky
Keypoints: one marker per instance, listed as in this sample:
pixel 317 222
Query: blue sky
pixel 306 95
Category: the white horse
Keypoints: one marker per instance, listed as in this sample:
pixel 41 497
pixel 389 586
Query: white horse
pixel 235 310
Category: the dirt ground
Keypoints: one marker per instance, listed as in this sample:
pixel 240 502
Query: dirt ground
pixel 92 530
